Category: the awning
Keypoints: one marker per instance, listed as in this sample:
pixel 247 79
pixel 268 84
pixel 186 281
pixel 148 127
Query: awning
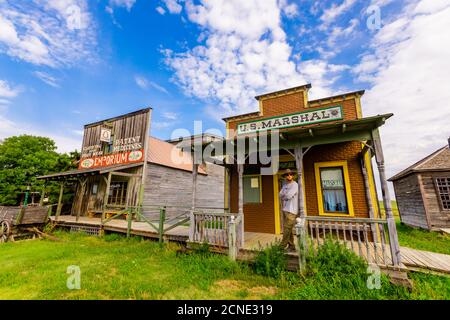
pixel 318 134
pixel 74 174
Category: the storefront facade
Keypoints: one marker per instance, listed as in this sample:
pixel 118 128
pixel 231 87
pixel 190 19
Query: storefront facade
pixel 337 173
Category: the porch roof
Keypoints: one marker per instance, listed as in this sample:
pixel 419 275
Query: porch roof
pixel 318 134
pixel 73 174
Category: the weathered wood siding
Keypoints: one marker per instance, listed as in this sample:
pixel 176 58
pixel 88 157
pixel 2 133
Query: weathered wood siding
pixel 126 126
pixel 409 201
pixel 438 217
pixel 173 187
pixel 90 202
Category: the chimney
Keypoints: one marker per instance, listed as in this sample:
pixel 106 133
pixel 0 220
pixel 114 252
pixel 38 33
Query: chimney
pixel 448 142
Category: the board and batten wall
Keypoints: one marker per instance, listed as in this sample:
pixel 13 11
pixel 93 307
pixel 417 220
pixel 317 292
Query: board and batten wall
pixel 418 201
pixel 409 202
pixel 437 217
pixel 173 187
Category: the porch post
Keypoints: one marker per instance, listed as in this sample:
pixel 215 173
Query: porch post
pixel 41 200
pixel 83 184
pixel 240 168
pixel 194 197
pixel 393 238
pixel 368 196
pixel 301 221
pixel 59 207
pixel 105 196
pixel 228 172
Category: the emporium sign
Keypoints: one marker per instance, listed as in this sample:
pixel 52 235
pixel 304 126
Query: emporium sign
pixel 119 151
pixel 112 159
pixel 292 120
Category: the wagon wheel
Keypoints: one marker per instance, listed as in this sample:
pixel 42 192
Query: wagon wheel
pixel 5 231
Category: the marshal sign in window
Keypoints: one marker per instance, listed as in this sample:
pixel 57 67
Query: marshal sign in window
pixel 333 190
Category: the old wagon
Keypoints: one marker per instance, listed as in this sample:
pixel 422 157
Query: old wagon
pixel 21 222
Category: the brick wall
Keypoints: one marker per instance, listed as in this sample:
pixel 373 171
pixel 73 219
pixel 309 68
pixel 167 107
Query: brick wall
pixel 293 103
pixel 336 152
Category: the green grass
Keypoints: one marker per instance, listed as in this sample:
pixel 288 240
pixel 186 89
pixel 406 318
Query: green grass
pixel 422 239
pixel 118 268
pixel 419 239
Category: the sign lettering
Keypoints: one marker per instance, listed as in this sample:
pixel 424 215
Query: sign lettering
pixel 292 120
pixel 112 159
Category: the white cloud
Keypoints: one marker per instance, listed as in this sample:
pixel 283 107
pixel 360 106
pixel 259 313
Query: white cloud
pixel 144 84
pixel 78 132
pixel 243 53
pixel 47 78
pixel 128 4
pixel 54 33
pixel 141 82
pixel 170 115
pixel 161 124
pixel 408 69
pixel 4 102
pixel 173 6
pixel 289 9
pixel 7 91
pixel 160 10
pixel 10 128
pixel 330 14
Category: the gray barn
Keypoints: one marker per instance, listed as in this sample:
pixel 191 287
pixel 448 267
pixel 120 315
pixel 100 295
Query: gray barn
pixel 423 191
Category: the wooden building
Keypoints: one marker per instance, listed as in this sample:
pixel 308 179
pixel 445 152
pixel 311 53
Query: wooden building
pixel 330 145
pixel 423 191
pixel 121 166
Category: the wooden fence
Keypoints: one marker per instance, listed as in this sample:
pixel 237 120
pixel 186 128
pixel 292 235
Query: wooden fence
pixel 218 229
pixel 367 237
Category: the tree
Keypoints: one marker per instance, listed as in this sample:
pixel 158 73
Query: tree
pixel 24 158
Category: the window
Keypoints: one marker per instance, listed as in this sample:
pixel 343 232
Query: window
pixel 333 188
pixel 443 188
pixel 118 193
pixel 252 189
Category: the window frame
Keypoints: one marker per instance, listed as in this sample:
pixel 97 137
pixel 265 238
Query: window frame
pixel 122 197
pixel 347 188
pixel 438 193
pixel 260 188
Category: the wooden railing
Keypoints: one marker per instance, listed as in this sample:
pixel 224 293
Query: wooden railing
pixel 367 237
pixel 218 229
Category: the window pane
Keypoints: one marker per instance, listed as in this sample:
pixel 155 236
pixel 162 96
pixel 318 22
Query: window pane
pixel 252 186
pixel 443 186
pixel 333 190
pixel 332 178
pixel 334 201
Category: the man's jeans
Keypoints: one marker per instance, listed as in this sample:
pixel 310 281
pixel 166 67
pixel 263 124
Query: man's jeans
pixel 288 229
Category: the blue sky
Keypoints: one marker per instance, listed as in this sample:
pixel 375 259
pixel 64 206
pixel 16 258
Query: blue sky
pixel 64 63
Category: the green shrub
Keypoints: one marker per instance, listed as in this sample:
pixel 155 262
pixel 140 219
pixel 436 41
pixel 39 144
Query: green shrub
pixel 334 258
pixel 271 261
pixel 113 237
pixel 201 249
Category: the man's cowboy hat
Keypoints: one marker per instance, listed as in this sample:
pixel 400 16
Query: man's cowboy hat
pixel 287 171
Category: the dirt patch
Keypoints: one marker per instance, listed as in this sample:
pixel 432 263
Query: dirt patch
pixel 232 289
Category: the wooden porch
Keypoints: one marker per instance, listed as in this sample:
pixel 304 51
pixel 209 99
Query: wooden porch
pixel 372 252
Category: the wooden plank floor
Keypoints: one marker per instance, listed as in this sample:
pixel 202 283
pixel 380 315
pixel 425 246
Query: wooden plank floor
pixel 414 259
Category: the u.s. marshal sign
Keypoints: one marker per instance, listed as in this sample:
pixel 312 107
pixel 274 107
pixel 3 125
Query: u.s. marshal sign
pixel 292 120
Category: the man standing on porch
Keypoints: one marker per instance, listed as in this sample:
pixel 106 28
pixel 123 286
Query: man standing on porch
pixel 289 198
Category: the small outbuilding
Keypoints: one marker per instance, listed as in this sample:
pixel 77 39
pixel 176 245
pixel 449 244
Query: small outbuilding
pixel 423 191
